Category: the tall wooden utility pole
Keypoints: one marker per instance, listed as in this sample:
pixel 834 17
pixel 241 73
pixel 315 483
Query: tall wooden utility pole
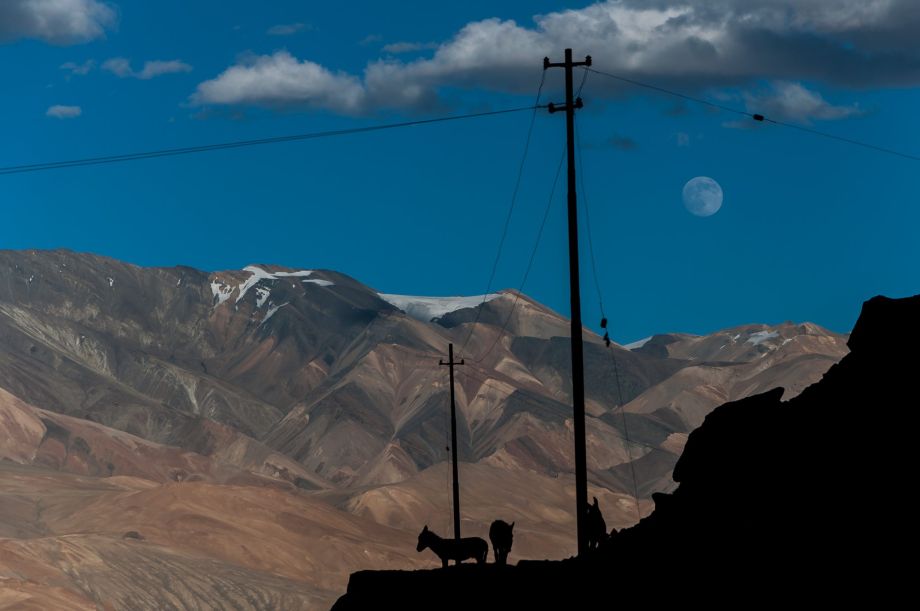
pixel 453 439
pixel 578 365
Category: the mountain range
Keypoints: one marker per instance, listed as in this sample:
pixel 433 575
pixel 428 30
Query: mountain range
pixel 250 437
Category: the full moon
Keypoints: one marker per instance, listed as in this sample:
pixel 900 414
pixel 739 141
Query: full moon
pixel 702 196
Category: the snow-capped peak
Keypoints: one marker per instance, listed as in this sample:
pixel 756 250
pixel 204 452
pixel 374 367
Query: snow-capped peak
pixel 426 309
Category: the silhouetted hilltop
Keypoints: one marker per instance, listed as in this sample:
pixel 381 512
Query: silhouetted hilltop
pixel 803 500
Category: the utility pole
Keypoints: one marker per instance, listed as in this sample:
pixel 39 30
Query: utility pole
pixel 453 439
pixel 578 365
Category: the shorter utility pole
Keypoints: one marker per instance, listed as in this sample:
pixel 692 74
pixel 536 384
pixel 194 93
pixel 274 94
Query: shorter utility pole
pixel 453 439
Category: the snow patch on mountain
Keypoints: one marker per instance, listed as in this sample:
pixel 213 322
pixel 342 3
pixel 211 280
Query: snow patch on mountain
pixel 426 309
pixel 271 312
pixel 319 281
pixel 261 296
pixel 220 291
pixel 638 344
pixel 258 275
pixel 760 337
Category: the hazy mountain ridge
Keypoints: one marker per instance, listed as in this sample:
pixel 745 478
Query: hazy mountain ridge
pixel 306 382
pixel 329 373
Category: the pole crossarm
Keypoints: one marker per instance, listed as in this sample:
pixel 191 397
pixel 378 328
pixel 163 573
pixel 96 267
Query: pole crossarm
pixel 564 107
pixel 548 64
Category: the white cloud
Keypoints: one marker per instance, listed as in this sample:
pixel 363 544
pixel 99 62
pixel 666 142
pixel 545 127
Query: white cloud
pixel 59 22
pixel 121 67
pixel 408 47
pixel 64 112
pixel 157 68
pixel 288 29
pixel 282 79
pixel 79 69
pixel 688 44
pixel 793 102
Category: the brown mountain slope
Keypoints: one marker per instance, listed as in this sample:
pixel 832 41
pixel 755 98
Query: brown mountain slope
pixel 306 387
pixel 326 371
pixel 135 544
pixel 38 437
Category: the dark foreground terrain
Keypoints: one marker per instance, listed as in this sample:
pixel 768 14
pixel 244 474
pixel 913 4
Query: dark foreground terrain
pixel 802 501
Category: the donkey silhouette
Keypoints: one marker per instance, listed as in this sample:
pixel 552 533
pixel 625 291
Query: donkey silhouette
pixel 452 549
pixel 501 534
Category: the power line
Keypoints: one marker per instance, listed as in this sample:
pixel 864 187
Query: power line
pixel 514 196
pixel 89 161
pixel 866 145
pixel 600 299
pixel 533 254
pixel 674 93
pixel 584 197
pixel 632 465
pixel 756 116
pixel 537 105
pixel 581 86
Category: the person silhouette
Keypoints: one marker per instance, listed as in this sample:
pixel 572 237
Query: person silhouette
pixel 597 527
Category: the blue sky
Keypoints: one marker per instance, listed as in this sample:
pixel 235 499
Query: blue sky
pixel 809 227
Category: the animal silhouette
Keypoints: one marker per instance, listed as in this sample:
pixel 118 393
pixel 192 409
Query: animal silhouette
pixel 501 535
pixel 597 528
pixel 452 549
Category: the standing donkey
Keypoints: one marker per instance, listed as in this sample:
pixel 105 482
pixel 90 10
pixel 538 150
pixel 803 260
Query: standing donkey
pixel 501 534
pixel 452 549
